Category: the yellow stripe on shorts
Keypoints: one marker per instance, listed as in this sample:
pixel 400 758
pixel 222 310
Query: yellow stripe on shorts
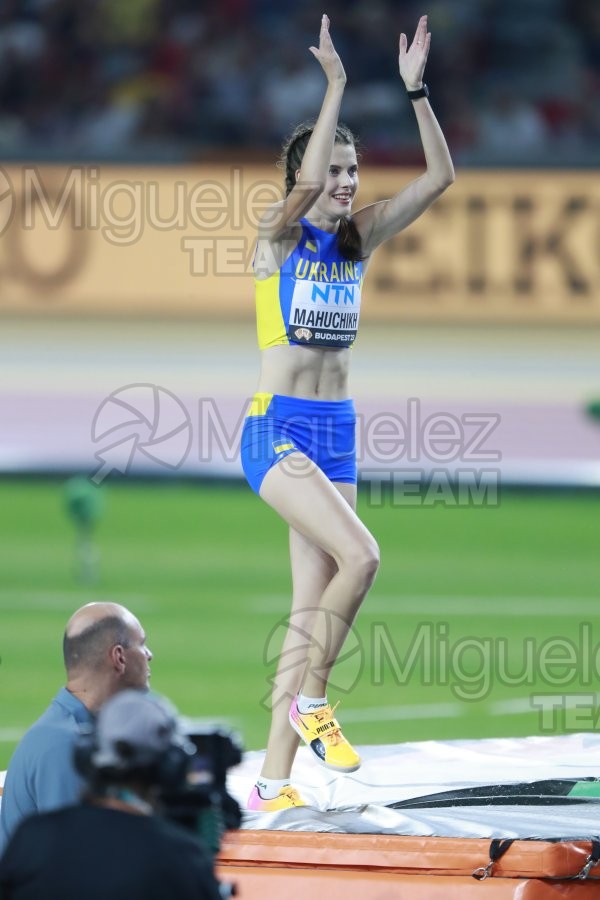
pixel 260 404
pixel 281 447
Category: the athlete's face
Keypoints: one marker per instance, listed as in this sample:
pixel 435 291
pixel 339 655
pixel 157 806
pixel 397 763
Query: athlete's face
pixel 341 184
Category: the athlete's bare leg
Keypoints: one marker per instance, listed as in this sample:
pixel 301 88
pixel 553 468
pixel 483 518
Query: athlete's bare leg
pixel 334 561
pixel 312 570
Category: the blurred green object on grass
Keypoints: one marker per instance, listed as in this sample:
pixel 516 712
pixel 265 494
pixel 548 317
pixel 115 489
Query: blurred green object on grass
pixel 85 504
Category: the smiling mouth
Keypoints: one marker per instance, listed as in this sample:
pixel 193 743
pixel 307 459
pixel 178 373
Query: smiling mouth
pixel 342 198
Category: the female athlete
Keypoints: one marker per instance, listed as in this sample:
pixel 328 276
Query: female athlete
pixel 298 443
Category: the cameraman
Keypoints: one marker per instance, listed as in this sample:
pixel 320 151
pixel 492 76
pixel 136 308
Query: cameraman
pixel 113 844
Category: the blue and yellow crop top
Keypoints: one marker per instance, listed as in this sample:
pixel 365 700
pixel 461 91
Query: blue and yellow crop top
pixel 314 298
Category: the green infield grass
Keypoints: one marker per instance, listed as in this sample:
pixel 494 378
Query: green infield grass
pixel 481 622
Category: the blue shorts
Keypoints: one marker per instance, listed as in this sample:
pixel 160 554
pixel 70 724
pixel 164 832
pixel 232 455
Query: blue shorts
pixel 323 430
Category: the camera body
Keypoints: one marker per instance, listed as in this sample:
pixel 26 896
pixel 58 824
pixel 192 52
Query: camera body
pixel 200 802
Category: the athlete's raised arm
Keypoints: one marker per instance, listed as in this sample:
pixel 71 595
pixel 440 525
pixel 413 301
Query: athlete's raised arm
pixel 281 218
pixel 380 221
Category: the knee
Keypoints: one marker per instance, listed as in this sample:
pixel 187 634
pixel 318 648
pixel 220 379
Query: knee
pixel 365 561
pixel 373 559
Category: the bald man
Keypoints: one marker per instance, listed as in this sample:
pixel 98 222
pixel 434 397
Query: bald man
pixel 105 652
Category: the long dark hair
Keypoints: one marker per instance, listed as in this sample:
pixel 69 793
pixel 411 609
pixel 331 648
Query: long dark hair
pixel 292 154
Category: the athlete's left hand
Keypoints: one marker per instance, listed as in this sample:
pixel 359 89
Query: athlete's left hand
pixel 412 61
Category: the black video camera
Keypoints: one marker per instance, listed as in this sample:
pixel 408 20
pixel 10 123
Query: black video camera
pixel 201 804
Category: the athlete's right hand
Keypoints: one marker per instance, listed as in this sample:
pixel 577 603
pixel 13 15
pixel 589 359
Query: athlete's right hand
pixel 327 55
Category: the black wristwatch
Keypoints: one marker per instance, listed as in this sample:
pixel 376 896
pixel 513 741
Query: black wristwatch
pixel 416 95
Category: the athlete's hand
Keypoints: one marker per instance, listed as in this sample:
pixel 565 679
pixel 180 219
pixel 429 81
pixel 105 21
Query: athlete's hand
pixel 412 60
pixel 327 55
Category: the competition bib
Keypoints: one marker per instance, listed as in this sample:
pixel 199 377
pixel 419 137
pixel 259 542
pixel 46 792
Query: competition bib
pixel 323 313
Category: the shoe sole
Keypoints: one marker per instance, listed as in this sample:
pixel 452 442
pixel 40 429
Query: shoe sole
pixel 281 808
pixel 271 812
pixel 345 770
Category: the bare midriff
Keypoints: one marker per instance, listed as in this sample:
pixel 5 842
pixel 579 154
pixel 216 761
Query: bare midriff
pixel 313 373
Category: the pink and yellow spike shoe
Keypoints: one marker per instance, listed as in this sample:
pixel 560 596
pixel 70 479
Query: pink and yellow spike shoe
pixel 287 798
pixel 324 737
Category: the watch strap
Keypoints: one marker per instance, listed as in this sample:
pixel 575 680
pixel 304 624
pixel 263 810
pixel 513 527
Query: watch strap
pixel 416 95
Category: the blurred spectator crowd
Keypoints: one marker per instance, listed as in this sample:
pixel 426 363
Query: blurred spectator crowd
pixel 512 81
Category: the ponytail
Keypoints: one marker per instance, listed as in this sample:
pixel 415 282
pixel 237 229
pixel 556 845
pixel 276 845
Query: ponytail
pixel 349 240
